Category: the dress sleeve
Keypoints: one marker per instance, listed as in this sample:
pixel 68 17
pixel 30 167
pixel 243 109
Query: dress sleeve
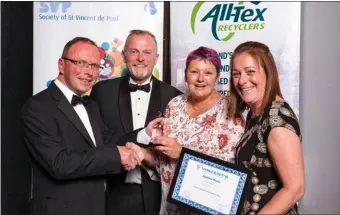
pixel 281 116
pixel 167 111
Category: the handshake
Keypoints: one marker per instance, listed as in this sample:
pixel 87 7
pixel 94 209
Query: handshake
pixel 158 131
pixel 131 155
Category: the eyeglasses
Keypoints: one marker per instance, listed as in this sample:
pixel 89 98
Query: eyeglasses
pixel 81 64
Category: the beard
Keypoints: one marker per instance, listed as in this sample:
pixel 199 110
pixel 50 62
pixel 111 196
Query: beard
pixel 140 74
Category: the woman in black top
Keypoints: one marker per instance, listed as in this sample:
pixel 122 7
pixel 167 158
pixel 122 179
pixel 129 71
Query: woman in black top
pixel 271 144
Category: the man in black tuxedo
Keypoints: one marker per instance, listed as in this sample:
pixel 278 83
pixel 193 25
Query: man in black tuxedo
pixel 71 150
pixel 128 104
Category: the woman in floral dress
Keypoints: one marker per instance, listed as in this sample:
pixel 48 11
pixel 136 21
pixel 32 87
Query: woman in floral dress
pixel 196 120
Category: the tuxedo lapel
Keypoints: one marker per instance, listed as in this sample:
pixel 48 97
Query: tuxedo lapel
pixel 124 101
pixel 155 101
pixel 94 124
pixel 65 107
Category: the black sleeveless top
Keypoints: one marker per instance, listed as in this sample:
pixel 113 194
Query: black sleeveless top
pixel 252 153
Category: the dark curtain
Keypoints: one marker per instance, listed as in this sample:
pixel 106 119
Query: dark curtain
pixel 166 45
pixel 16 88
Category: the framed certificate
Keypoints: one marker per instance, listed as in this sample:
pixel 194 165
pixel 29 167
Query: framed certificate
pixel 208 185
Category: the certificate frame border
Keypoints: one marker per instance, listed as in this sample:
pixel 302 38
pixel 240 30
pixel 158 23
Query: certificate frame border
pixel 188 152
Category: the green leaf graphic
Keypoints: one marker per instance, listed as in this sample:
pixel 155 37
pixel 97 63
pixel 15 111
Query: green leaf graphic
pixel 194 15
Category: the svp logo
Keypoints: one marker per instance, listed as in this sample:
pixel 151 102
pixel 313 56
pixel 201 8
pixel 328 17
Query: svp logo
pixel 54 7
pixel 226 19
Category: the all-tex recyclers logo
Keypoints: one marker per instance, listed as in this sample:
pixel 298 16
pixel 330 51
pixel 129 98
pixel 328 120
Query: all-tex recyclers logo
pixel 229 18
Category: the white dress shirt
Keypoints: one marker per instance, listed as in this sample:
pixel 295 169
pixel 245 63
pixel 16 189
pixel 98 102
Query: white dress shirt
pixel 79 108
pixel 139 105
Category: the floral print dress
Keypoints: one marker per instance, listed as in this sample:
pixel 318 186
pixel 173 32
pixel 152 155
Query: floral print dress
pixel 209 133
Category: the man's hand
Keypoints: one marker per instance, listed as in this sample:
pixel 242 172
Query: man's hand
pixel 137 150
pixel 157 127
pixel 156 123
pixel 129 158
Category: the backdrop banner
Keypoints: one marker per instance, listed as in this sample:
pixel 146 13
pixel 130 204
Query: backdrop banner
pixel 224 25
pixel 106 23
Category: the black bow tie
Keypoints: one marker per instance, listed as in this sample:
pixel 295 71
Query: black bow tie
pixel 79 100
pixel 135 87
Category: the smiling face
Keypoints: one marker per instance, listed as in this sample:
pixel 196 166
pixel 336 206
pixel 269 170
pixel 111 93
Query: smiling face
pixel 201 77
pixel 249 79
pixel 140 54
pixel 79 80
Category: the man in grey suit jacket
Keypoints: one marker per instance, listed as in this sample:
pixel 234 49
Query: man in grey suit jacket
pixel 72 152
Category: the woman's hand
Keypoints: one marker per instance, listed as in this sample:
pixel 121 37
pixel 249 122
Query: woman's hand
pixel 168 146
